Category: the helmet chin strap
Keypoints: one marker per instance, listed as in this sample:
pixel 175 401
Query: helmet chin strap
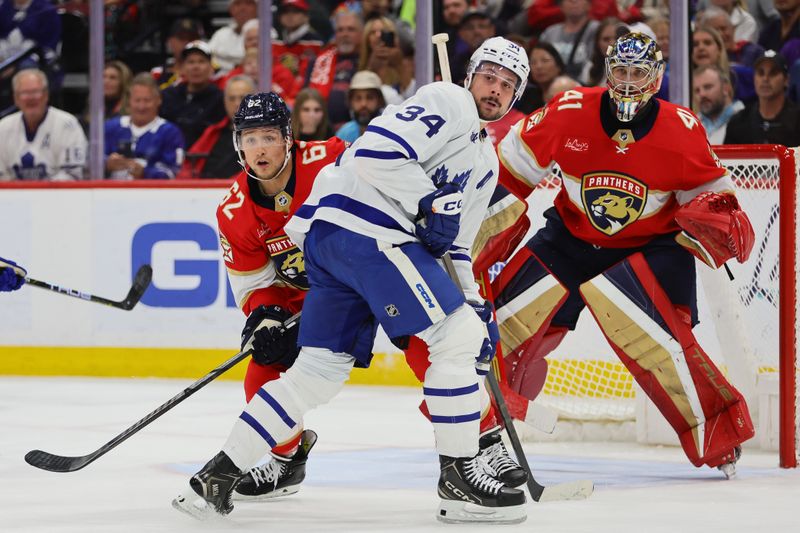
pixel 253 175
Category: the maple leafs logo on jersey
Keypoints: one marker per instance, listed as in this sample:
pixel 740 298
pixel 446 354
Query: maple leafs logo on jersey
pixel 439 177
pixel 612 201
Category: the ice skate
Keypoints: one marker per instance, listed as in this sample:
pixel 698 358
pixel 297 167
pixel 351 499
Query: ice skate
pixel 210 489
pixel 506 469
pixel 470 494
pixel 279 477
pixel 729 468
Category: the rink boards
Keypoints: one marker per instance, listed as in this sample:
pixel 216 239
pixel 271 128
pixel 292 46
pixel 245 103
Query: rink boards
pixel 91 239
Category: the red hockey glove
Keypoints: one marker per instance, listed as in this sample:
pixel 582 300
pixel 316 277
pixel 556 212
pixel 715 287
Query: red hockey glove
pixel 715 229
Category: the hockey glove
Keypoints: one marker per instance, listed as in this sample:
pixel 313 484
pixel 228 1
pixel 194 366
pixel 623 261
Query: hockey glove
pixel 715 229
pixel 439 218
pixel 12 276
pixel 485 311
pixel 265 335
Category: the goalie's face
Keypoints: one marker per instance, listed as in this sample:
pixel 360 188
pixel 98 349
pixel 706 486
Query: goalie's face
pixel 634 68
pixel 264 149
pixel 493 88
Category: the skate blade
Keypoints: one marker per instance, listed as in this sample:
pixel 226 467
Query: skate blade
pixel 195 506
pixel 458 512
pixel 285 491
pixel 729 469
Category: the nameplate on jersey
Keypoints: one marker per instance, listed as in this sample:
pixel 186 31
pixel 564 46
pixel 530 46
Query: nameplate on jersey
pixel 289 264
pixel 612 201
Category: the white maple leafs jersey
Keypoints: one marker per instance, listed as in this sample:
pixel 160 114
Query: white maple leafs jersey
pixel 375 186
pixel 56 151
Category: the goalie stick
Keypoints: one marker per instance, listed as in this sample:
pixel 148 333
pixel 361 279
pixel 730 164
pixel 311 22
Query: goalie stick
pixel 60 463
pixel 140 283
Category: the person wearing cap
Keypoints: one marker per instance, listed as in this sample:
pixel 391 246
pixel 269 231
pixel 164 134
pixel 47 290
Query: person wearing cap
pixel 195 103
pixel 773 119
pixel 366 102
pixel 182 32
pixel 476 26
pixel 227 43
pixel 298 44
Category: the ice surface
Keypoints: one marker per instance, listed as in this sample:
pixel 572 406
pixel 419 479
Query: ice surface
pixel 373 469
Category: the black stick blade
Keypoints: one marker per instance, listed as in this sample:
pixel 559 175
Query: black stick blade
pixel 56 463
pixel 141 281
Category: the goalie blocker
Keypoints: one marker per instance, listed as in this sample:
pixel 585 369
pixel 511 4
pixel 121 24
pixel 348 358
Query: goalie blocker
pixel 644 300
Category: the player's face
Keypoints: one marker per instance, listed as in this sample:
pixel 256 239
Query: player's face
pixel 143 104
pixel 709 95
pixel 264 151
pixel 705 50
pixel 348 33
pixel 30 96
pixel 310 116
pixel 492 88
pixel 544 68
pixel 235 91
pixel 197 69
pixel 769 80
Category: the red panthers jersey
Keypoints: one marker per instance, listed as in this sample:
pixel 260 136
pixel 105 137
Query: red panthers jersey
pixel 621 183
pixel 264 265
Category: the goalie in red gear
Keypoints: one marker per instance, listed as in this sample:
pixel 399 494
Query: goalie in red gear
pixel 641 192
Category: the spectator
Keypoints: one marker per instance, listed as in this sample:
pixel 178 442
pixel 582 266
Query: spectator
pixel 713 98
pixel 116 81
pixel 774 119
pixel 452 13
pixel 559 85
pixel 660 27
pixel 213 155
pixel 182 32
pixel 739 52
pixel 40 142
pixel 298 44
pixel 573 38
pixel 366 102
pixel 373 9
pixel 380 53
pixel 310 117
pixel 546 66
pixel 745 27
pixel 283 83
pixel 407 86
pixel 779 31
pixel 594 73
pixel 196 103
pixel 142 145
pixel 763 11
pixel 334 67
pixel 476 27
pixel 227 43
pixel 708 49
pixel 542 14
pixel 28 23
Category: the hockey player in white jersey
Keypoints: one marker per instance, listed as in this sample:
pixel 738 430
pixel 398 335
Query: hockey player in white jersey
pixel 39 142
pixel 412 188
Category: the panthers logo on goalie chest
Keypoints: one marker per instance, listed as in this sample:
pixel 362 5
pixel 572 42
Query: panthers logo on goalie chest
pixel 612 201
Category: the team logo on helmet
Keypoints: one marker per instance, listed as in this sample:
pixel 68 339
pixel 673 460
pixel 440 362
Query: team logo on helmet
pixel 612 201
pixel 634 69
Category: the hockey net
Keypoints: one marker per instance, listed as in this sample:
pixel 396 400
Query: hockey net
pixel 752 320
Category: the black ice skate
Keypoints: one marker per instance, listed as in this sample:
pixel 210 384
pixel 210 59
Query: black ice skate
pixel 496 455
pixel 214 484
pixel 470 494
pixel 279 477
pixel 729 468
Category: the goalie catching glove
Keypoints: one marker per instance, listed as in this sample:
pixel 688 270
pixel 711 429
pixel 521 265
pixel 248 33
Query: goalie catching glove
pixel 265 335
pixel 439 218
pixel 715 229
pixel 12 276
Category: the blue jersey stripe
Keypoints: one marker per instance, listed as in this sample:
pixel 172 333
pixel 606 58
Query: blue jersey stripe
pixel 436 419
pixel 394 137
pixel 379 154
pixel 253 423
pixel 484 179
pixel 355 208
pixel 277 407
pixel 461 391
pixel 460 257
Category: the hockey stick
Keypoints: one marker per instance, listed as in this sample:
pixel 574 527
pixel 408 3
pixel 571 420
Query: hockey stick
pixel 140 283
pixel 59 463
pixel 571 490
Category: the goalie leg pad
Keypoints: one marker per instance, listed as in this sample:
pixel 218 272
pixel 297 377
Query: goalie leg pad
pixel 273 419
pixel 653 338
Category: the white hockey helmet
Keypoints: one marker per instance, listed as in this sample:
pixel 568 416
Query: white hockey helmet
pixel 505 53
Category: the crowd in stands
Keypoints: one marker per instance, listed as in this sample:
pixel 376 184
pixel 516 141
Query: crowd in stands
pixel 174 74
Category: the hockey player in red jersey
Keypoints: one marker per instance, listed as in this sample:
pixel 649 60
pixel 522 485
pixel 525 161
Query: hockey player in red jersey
pixel 265 268
pixel 642 193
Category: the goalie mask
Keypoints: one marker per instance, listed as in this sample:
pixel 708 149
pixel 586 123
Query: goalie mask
pixel 257 111
pixel 502 58
pixel 635 69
